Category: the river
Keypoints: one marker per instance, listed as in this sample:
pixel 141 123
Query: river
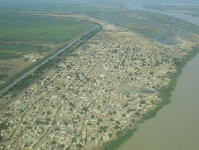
pixel 176 126
pixel 189 18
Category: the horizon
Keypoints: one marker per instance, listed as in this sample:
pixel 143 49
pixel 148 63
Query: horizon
pixel 20 2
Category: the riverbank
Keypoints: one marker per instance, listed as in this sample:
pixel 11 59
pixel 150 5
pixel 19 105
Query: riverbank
pixel 164 93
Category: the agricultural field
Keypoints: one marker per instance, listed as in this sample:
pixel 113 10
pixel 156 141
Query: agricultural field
pixel 26 39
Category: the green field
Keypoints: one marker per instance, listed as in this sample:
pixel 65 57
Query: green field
pixel 16 48
pixel 27 28
pixel 18 30
pixel 5 54
pixel 59 33
pixel 14 51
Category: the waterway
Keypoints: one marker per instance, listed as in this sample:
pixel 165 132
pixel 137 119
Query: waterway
pixel 189 18
pixel 176 126
pixel 45 61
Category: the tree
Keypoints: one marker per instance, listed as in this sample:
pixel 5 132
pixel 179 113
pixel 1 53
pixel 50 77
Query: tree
pixel 1 138
pixel 137 113
pixel 93 138
pixel 79 145
pixel 85 109
pixel 111 119
pixel 116 127
pixel 65 123
pixel 61 145
pixel 25 122
pixel 73 139
pixel 49 112
pixel 100 120
pixel 142 102
pixel 54 122
pixel 53 142
pixel 117 122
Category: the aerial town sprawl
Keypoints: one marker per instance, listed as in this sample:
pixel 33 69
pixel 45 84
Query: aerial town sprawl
pixel 103 87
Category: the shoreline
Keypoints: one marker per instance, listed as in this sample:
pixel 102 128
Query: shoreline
pixel 164 93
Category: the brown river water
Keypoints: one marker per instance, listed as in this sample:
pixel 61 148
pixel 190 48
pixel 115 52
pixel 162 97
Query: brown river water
pixel 176 125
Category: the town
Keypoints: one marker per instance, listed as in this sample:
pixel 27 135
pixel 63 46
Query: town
pixel 102 88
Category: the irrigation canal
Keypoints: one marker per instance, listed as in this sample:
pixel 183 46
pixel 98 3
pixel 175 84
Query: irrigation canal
pixel 44 61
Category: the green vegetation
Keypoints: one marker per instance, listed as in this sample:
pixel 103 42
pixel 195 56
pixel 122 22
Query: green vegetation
pixel 165 92
pixel 30 78
pixel 25 33
pixel 10 48
pixel 3 126
pixel 3 76
pixel 59 33
pixel 51 63
pixel 20 32
pixel 50 29
pixel 123 18
pixel 121 138
pixel 160 28
pixel 171 21
pixel 4 55
pixel 82 40
pixel 145 30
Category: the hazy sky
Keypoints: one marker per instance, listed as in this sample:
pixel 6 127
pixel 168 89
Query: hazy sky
pixel 94 1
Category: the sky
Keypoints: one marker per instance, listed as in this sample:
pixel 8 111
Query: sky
pixel 95 1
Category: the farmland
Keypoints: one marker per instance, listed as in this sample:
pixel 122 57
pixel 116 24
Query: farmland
pixel 26 39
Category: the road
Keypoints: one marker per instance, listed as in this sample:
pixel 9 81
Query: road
pixel 45 61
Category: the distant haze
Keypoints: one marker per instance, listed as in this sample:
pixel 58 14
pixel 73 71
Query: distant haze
pixel 94 1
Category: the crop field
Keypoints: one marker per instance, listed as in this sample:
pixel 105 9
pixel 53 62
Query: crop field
pixel 16 48
pixel 13 51
pixel 26 39
pixel 5 54
pixel 39 29
pixel 21 29
pixel 60 33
